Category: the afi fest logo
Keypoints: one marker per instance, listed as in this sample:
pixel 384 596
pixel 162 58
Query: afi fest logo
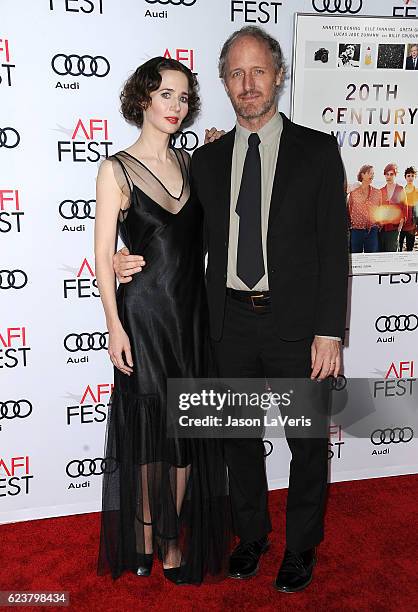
pixel 399 278
pixel 335 442
pixel 86 7
pixel 88 142
pixel 185 56
pixel 76 211
pixel 398 381
pixel 6 66
pixel 14 347
pixel 92 407
pixel 409 9
pixel 83 285
pixel 338 7
pixel 10 211
pixel 254 11
pixel 15 476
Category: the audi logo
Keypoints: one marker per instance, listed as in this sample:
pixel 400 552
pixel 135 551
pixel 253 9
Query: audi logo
pixel 15 409
pixel 268 447
pixel 77 209
pixel 91 467
pixel 13 279
pixel 394 323
pixel 9 138
pixel 389 436
pixel 184 140
pixel 351 7
pixel 86 342
pixel 80 65
pixel 339 383
pixel 173 2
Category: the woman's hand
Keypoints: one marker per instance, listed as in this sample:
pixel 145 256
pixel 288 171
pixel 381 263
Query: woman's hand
pixel 119 345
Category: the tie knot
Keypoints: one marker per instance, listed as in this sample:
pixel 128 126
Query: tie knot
pixel 253 140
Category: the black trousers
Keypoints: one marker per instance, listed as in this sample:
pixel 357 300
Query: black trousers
pixel 250 347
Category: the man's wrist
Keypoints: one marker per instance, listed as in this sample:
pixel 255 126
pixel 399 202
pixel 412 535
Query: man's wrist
pixel 329 337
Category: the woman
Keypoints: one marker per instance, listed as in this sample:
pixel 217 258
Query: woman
pixel 162 493
pixel 408 231
pixel 363 203
pixel 395 210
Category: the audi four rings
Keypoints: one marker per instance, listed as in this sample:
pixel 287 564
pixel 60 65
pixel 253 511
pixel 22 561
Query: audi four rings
pixel 77 209
pixel 9 138
pixel 352 7
pixel 95 341
pixel 188 141
pixel 173 2
pixel 394 323
pixel 268 447
pixel 339 383
pixel 15 409
pixel 13 279
pixel 392 436
pixel 80 65
pixel 91 467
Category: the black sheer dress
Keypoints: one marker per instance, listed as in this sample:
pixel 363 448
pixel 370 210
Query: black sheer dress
pixel 176 487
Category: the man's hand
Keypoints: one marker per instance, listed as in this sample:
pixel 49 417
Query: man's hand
pixel 325 358
pixel 213 134
pixel 125 265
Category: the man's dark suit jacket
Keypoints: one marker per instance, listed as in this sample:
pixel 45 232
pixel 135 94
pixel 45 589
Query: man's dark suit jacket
pixel 410 64
pixel 307 247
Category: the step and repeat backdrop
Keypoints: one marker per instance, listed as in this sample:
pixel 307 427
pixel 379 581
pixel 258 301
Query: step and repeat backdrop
pixel 62 65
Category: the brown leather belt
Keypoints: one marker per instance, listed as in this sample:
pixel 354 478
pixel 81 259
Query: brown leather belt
pixel 257 299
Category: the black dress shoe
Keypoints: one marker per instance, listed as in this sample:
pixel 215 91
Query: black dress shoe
pixel 295 572
pixel 144 564
pixel 245 558
pixel 173 574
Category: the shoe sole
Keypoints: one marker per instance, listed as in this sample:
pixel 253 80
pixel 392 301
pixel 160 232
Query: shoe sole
pixel 293 590
pixel 301 588
pixel 255 572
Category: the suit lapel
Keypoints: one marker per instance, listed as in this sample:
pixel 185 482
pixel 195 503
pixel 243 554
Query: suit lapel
pixel 223 176
pixel 286 160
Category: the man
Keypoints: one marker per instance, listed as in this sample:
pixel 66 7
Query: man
pixel 277 307
pixel 412 60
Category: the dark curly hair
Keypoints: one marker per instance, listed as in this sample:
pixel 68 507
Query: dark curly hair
pixel 135 95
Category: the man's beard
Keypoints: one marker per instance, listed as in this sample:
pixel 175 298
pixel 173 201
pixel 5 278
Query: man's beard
pixel 240 106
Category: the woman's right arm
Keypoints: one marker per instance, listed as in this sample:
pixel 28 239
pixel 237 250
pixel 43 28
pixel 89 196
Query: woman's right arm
pixel 109 201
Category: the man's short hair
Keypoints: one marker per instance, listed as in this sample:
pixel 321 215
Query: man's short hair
pixel 259 34
pixel 411 170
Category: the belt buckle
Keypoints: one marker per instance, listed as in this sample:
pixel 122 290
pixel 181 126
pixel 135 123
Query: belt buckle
pixel 254 297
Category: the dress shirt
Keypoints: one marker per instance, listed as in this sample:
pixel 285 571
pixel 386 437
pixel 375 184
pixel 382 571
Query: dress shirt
pixel 269 136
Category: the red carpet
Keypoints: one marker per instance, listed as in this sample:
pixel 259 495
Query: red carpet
pixel 368 561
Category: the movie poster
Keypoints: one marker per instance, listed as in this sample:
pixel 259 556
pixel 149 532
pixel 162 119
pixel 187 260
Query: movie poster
pixel 357 78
